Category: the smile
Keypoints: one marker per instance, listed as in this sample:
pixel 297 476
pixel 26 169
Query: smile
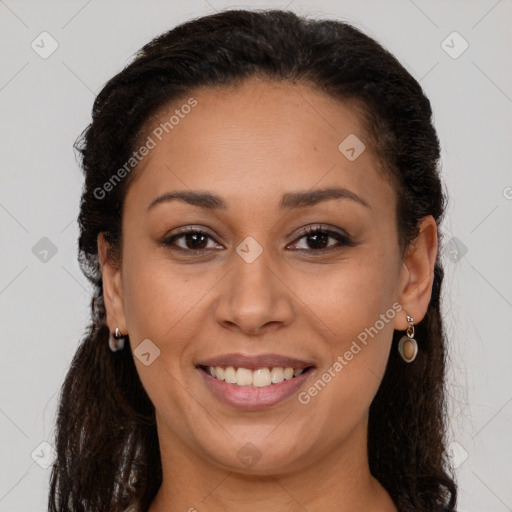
pixel 260 378
pixel 254 382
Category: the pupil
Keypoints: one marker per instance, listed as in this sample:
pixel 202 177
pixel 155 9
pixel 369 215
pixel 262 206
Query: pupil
pixel 194 237
pixel 319 236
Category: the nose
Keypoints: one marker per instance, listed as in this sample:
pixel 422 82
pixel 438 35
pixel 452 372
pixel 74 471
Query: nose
pixel 255 297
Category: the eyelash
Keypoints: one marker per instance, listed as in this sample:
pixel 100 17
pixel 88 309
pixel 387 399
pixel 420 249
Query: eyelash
pixel 343 239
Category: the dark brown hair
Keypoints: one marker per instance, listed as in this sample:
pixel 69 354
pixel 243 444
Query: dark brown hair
pixel 107 447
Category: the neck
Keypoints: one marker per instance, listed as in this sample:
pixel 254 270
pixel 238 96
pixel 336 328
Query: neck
pixel 340 481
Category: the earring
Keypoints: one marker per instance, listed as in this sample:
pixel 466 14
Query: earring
pixel 116 340
pixel 407 346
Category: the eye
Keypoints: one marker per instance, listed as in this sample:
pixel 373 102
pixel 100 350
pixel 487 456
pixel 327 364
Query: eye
pixel 318 237
pixel 193 240
pixel 317 240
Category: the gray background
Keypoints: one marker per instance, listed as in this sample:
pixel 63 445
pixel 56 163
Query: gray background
pixel 44 299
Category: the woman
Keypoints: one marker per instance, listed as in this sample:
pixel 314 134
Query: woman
pixel 260 220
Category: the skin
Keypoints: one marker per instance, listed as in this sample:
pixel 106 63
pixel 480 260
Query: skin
pixel 250 144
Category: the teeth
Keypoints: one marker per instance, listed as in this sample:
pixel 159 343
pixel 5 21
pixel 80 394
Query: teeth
pixel 243 377
pixel 230 375
pixel 260 378
pixel 277 375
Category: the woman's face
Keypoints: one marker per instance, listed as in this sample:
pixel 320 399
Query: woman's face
pixel 262 295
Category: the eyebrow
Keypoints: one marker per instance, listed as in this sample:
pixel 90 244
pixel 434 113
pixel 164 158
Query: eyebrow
pixel 289 201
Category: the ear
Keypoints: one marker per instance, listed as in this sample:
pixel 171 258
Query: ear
pixel 417 276
pixel 112 287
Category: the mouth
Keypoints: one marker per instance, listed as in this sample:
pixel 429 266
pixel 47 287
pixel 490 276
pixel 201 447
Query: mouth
pixel 254 382
pixel 259 378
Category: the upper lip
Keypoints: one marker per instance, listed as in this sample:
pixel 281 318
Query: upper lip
pixel 253 362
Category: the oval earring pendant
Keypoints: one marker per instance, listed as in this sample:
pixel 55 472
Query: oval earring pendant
pixel 408 349
pixel 114 343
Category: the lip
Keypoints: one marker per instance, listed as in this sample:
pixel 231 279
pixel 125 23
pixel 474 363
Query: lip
pixel 254 398
pixel 253 362
pixel 249 398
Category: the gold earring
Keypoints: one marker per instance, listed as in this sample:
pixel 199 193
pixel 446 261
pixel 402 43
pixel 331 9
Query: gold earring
pixel 407 346
pixel 116 340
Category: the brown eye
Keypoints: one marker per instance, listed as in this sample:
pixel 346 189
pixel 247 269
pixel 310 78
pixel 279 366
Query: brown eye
pixel 191 240
pixel 317 239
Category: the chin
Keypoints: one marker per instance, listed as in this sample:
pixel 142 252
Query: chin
pixel 260 456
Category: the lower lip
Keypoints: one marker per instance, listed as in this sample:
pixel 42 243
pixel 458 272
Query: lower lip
pixel 245 397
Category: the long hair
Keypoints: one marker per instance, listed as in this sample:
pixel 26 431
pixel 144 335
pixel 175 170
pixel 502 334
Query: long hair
pixel 106 440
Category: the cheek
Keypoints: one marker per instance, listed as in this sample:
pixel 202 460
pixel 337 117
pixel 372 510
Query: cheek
pixel 157 294
pixel 161 304
pixel 357 305
pixel 350 295
pixel 340 394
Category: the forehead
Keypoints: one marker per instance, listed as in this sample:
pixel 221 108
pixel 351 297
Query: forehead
pixel 259 139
